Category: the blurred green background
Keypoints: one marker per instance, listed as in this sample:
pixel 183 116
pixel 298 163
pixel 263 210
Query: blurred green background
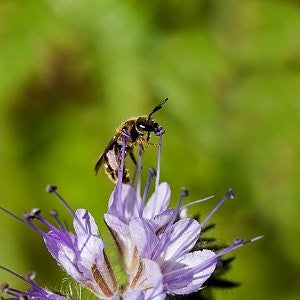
pixel 71 71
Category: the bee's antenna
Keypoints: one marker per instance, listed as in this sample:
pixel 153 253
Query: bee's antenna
pixel 156 108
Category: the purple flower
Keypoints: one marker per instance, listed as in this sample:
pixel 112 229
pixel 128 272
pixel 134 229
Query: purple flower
pixel 35 292
pixel 82 256
pixel 154 231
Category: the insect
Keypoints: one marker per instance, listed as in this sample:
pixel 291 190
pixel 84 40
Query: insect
pixel 139 130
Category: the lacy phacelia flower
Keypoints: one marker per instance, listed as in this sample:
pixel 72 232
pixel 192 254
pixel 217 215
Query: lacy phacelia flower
pixel 151 230
pixel 156 243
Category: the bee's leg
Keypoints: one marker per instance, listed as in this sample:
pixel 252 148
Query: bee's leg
pixel 132 157
pixel 125 178
pixel 152 144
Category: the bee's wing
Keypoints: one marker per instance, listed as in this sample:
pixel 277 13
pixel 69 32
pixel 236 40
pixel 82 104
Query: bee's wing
pixel 99 161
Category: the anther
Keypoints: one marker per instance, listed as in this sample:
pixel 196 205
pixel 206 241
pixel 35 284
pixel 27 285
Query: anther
pixel 256 238
pixel 28 216
pixel 238 241
pixel 54 213
pixel 230 194
pixel 31 276
pixel 152 172
pixel 51 188
pixel 35 212
pixel 184 192
pixel 4 287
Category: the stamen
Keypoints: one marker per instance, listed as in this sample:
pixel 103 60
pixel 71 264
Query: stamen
pixel 196 201
pixel 52 189
pixel 14 216
pixel 54 214
pixel 139 172
pixel 158 171
pixel 31 276
pixel 184 193
pixel 229 195
pixel 121 169
pixel 35 214
pixel 29 219
pixel 236 244
pixel 117 192
pixel 15 292
pixel 4 287
pixel 257 238
pixel 15 274
pixel 152 174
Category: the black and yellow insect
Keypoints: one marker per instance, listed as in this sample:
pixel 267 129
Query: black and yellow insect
pixel 138 130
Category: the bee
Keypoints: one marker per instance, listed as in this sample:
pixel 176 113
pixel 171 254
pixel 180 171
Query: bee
pixel 139 130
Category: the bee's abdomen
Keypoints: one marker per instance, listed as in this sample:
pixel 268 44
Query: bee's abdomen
pixel 112 165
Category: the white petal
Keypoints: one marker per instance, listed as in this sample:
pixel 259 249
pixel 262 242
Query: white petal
pixel 182 238
pixel 149 280
pixel 123 239
pixel 126 207
pixel 91 248
pixel 143 236
pixel 87 223
pixel 163 199
pixel 66 261
pixel 134 295
pixel 162 219
pixel 194 281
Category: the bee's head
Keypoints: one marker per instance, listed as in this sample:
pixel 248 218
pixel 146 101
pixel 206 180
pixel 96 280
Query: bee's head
pixel 147 124
pixel 144 124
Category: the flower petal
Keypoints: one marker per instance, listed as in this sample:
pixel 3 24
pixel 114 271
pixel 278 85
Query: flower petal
pixel 189 279
pixel 143 236
pixel 124 242
pixel 162 203
pixel 87 223
pixel 134 295
pixel 90 248
pixel 51 245
pixel 67 260
pixel 182 237
pixel 148 279
pixel 161 220
pixel 126 207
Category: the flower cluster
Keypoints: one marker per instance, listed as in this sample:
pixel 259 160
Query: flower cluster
pixel 156 243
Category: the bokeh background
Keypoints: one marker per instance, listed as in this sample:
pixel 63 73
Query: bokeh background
pixel 71 71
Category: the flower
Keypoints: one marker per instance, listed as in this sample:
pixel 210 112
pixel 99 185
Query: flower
pixel 83 257
pixel 154 231
pixel 157 244
pixel 35 292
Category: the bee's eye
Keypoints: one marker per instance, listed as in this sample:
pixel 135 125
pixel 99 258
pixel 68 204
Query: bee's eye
pixel 141 126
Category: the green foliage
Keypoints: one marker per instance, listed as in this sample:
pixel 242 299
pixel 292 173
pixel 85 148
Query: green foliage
pixel 71 71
